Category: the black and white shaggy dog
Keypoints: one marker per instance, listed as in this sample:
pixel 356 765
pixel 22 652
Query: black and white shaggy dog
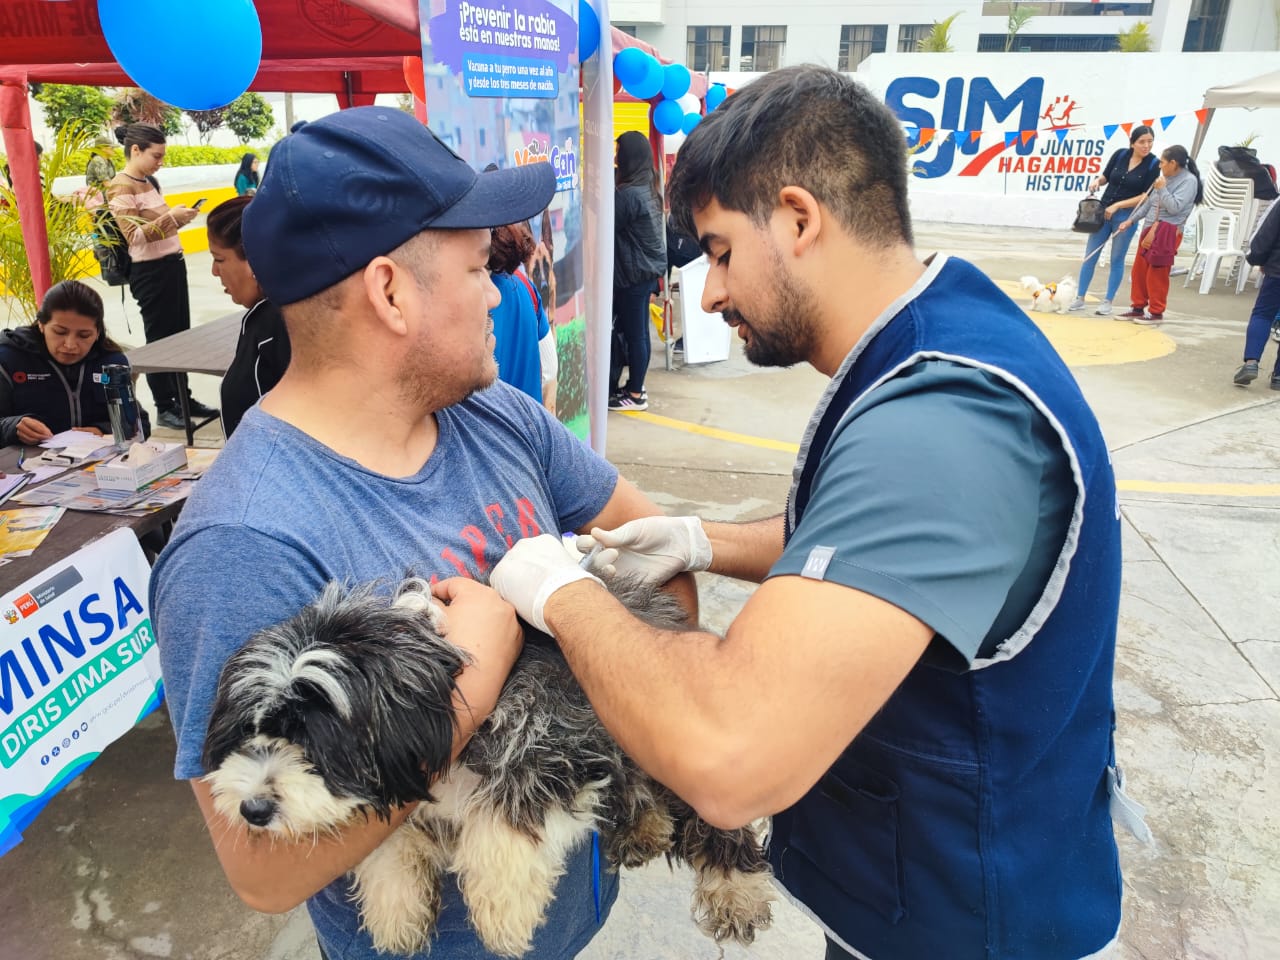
pixel 335 714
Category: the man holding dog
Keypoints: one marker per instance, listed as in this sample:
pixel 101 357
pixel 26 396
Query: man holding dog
pixel 386 448
pixel 920 691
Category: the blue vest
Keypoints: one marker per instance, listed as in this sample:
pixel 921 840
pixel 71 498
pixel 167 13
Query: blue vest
pixel 970 817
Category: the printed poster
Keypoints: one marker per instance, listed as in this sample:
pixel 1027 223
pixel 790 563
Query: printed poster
pixel 501 78
pixel 78 669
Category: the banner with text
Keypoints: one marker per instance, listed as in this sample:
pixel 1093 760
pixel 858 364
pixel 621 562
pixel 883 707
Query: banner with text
pixel 501 78
pixel 78 668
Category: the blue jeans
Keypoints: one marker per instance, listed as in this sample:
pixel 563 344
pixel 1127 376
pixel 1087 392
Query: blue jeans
pixel 1120 241
pixel 1264 313
pixel 631 322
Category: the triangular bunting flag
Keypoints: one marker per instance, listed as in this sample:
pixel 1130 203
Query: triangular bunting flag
pixel 1127 128
pixel 1147 123
pixel 1062 133
pixel 974 135
pixel 1010 138
pixel 1109 129
pixel 911 133
pixel 1165 121
pixel 926 134
pixel 1202 115
pixel 1027 136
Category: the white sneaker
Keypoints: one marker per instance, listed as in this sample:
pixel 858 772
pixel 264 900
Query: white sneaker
pixel 1076 304
pixel 1104 309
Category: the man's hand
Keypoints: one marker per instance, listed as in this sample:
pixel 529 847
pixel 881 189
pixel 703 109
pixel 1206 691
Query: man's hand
pixel 482 623
pixel 31 430
pixel 655 548
pixel 532 571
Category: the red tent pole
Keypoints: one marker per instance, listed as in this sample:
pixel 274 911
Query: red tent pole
pixel 24 168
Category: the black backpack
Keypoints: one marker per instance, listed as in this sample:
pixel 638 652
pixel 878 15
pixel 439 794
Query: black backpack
pixel 111 248
pixel 1242 163
pixel 681 249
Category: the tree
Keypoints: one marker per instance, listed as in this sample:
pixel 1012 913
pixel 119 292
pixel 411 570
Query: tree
pixel 68 103
pixel 250 117
pixel 1137 39
pixel 137 106
pixel 207 121
pixel 939 38
pixel 1018 17
pixel 68 223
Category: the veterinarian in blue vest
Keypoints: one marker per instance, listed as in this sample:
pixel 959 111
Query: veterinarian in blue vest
pixel 920 691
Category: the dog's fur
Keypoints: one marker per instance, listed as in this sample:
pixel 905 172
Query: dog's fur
pixel 338 712
pixel 1049 297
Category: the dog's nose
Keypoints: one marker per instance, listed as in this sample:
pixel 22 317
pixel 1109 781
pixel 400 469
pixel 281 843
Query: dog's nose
pixel 258 811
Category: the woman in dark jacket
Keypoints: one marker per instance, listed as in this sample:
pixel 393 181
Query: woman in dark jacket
pixel 1264 252
pixel 262 352
pixel 47 369
pixel 639 259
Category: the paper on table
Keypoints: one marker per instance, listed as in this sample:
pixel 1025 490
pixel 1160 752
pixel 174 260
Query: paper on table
pixel 39 474
pixel 21 531
pixel 76 443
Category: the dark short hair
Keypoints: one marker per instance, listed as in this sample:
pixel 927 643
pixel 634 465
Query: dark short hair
pixel 801 126
pixel 223 224
pixel 75 297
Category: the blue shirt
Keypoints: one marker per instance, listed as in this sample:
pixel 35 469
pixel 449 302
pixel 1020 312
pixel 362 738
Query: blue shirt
pixel 279 515
pixel 926 498
pixel 518 325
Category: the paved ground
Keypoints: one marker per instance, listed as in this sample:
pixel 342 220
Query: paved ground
pixel 118 867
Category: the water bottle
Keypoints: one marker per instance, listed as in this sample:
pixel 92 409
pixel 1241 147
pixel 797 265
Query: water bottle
pixel 122 409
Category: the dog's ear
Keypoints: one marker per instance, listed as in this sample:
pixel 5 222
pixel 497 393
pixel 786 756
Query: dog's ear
pixel 228 729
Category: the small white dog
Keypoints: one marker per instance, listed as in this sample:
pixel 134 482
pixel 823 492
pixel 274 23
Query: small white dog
pixel 1050 297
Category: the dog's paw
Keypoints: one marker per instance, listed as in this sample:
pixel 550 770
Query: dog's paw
pixel 636 843
pixel 732 905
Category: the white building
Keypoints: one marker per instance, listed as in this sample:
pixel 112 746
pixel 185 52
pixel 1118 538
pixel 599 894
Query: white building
pixel 755 35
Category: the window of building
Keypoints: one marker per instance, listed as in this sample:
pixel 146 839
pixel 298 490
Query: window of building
pixel 1084 8
pixel 910 35
pixel 707 48
pixel 1049 43
pixel 762 48
pixel 1205 24
pixel 628 28
pixel 859 42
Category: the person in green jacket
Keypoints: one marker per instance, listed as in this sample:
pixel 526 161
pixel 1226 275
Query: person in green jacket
pixel 247 176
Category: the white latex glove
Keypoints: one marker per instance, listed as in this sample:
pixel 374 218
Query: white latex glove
pixel 532 571
pixel 655 548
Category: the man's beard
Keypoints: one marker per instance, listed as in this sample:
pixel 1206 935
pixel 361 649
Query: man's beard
pixel 424 389
pixel 784 332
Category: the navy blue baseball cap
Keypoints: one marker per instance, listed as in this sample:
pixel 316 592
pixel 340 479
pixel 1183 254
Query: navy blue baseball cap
pixel 359 183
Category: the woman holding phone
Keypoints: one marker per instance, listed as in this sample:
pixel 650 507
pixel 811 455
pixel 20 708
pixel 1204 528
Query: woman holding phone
pixel 158 276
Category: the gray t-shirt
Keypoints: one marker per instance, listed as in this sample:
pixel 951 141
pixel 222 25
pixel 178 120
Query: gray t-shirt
pixel 279 515
pixel 949 496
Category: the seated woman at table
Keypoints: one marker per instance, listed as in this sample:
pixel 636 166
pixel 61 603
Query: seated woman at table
pixel 48 369
pixel 262 352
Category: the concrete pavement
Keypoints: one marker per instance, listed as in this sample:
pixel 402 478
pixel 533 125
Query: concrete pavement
pixel 119 868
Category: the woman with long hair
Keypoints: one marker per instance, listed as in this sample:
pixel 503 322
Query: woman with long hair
pixel 247 176
pixel 1128 175
pixel 262 351
pixel 639 259
pixel 158 276
pixel 48 369
pixel 1166 207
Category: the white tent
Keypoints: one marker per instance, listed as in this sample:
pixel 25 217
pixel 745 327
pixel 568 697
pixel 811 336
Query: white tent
pixel 1263 91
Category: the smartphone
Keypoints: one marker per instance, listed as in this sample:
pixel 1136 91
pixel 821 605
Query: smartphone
pixel 199 203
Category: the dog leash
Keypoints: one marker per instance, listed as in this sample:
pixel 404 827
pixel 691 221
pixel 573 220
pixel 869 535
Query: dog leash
pixel 595 870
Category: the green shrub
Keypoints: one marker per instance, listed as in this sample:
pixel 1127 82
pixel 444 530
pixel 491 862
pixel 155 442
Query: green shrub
pixel 182 156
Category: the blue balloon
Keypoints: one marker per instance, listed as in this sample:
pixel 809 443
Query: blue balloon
pixel 691 120
pixel 668 117
pixel 715 95
pixel 630 66
pixel 218 44
pixel 588 31
pixel 650 85
pixel 675 81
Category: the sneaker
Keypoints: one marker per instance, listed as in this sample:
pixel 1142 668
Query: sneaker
pixel 1275 381
pixel 1246 374
pixel 1076 304
pixel 1132 314
pixel 1104 309
pixel 172 419
pixel 1150 320
pixel 200 411
pixel 1275 330
pixel 625 401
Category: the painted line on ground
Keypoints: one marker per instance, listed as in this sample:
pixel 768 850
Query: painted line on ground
pixel 1124 486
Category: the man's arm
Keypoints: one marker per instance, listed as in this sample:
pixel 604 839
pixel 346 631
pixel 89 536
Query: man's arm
pixel 740 726
pixel 746 551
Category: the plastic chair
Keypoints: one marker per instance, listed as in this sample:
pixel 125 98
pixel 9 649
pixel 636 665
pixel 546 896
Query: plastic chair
pixel 1218 243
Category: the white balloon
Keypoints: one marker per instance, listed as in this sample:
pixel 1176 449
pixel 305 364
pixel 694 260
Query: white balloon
pixel 689 103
